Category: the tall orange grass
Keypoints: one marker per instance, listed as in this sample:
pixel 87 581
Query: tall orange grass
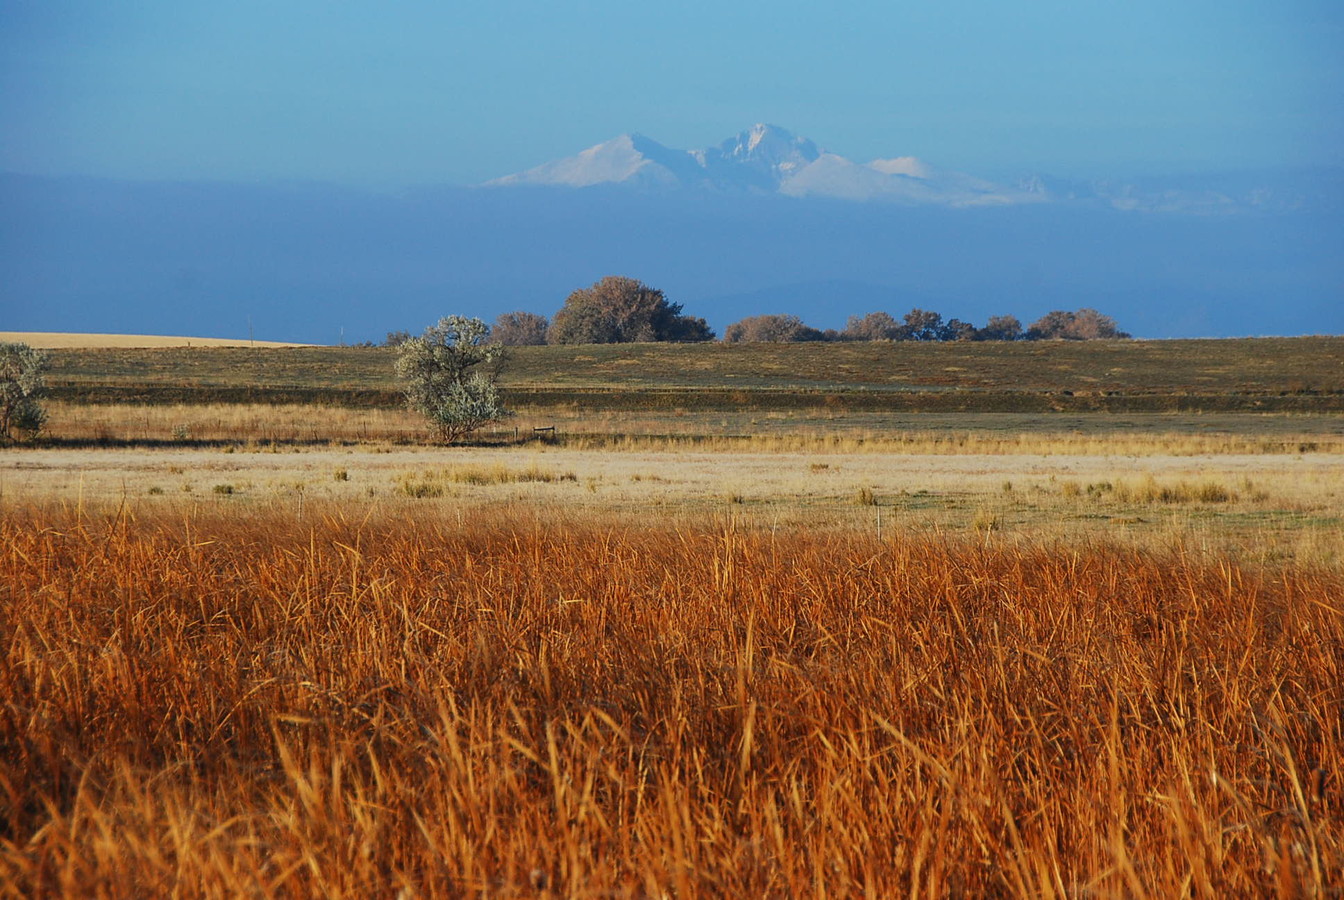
pixel 246 704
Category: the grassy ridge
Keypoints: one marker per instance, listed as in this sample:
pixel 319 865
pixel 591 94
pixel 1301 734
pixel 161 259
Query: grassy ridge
pixel 233 705
pixel 1269 374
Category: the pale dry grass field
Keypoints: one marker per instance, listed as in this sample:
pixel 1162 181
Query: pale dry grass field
pixel 1264 506
pixel 1096 434
pixel 53 340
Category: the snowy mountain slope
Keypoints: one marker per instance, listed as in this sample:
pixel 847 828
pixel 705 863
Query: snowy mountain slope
pixel 896 181
pixel 627 159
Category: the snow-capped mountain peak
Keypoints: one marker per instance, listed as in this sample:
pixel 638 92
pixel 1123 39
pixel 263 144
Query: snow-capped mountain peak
pixel 768 144
pixel 767 159
pixel 764 159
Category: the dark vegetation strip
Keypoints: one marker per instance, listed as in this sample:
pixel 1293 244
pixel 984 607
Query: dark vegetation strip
pixel 927 400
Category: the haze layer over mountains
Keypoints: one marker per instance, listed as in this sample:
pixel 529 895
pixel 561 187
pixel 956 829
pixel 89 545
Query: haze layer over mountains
pixel 764 222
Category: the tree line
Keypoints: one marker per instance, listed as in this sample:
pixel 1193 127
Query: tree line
pixel 625 310
pixel 926 325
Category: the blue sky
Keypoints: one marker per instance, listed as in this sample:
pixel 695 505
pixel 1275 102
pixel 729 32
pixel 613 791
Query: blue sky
pixel 396 93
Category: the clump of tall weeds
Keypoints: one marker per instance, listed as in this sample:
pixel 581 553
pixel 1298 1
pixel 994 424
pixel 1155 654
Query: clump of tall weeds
pixel 434 482
pixel 1149 490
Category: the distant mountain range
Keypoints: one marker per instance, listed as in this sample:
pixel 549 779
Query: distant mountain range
pixel 767 159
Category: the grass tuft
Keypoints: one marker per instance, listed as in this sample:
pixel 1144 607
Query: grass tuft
pixel 1149 491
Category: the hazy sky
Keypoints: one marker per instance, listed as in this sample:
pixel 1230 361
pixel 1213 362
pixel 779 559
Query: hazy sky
pixel 394 93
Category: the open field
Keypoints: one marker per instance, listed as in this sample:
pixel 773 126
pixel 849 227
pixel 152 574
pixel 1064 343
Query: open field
pixel 51 340
pixel 1265 374
pixel 812 436
pixel 819 634
pixel 1256 506
pixel 238 702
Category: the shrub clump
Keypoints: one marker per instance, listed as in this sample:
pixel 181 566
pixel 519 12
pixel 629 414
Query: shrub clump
pixel 22 385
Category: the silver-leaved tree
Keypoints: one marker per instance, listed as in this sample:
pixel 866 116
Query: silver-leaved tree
pixel 449 374
pixel 21 388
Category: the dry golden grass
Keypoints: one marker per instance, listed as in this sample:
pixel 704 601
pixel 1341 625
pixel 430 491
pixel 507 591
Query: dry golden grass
pixel 434 482
pixel 239 423
pixel 965 434
pixel 242 703
pixel 63 340
pixel 1265 507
